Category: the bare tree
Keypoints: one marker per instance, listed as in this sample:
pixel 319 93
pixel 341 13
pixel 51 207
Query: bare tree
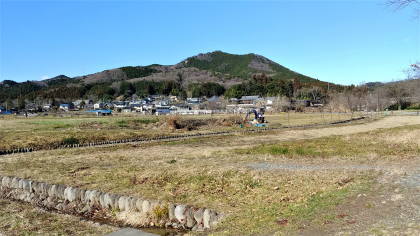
pixel 399 4
pixel 414 71
pixel 402 3
pixel 398 93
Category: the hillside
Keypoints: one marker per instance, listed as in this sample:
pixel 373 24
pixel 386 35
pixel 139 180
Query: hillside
pixel 210 70
pixel 242 66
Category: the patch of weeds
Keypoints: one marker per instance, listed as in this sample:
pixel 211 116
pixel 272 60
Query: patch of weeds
pixel 160 212
pixel 278 150
pixel 286 150
pixel 248 182
pixel 70 141
pixel 318 208
pixel 146 121
pixel 122 124
pixel 61 126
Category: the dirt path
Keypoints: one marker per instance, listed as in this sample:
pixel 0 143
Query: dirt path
pixel 387 122
pixel 227 144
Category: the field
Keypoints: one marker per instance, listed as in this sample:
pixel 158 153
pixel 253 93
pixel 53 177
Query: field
pixel 40 132
pixel 322 180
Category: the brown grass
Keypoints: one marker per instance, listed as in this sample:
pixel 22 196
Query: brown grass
pixel 18 218
pixel 41 132
pixel 205 172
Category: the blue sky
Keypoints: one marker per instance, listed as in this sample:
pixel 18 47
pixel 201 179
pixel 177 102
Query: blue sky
pixel 337 41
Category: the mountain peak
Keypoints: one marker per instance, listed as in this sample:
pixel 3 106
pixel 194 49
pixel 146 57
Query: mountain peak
pixel 240 66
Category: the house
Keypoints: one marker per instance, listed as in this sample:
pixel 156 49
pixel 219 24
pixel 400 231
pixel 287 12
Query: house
pixel 98 105
pixel 194 100
pixel 47 107
pixel 182 109
pixel 162 110
pixel 102 112
pixel 173 98
pixel 121 105
pixel 66 106
pixel 136 106
pixel 270 102
pixel 80 104
pixel 161 102
pixel 31 107
pixel 249 99
pixel 109 105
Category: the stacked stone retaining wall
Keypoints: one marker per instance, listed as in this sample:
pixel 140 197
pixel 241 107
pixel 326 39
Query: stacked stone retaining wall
pixel 107 207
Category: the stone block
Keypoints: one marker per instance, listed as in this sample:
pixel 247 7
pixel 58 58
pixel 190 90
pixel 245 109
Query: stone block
pixel 6 181
pixel 15 182
pixel 180 213
pixel 198 216
pixel 171 212
pixel 146 206
pixel 70 194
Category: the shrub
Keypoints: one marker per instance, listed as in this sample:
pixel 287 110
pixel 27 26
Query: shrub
pixel 414 107
pixel 146 121
pixel 70 140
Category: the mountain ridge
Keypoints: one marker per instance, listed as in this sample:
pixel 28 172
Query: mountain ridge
pixel 217 67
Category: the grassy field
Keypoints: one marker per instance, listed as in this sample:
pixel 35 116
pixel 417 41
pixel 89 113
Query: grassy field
pixel 398 142
pixel 40 132
pixel 24 219
pixel 223 172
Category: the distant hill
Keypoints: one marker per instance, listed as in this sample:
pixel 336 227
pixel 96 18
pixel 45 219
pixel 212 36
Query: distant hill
pixel 242 66
pixel 215 67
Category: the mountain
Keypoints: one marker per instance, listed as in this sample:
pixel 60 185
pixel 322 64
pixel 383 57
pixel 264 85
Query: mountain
pixel 220 68
pixel 242 66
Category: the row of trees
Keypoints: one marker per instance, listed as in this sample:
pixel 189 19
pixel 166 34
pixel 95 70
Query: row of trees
pixel 265 86
pixel 398 95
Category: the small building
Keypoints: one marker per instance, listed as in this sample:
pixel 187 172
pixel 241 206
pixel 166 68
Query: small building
pixel 80 104
pixel 173 98
pixel 194 100
pixel 136 106
pixel 102 112
pixel 182 109
pixel 162 110
pixel 66 106
pixel 98 105
pixel 47 107
pixel 249 99
pixel 121 105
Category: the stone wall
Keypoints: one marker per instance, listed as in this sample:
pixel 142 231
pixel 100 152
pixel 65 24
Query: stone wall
pixel 107 207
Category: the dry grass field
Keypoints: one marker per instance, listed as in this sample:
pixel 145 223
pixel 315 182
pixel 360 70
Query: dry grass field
pixel 39 132
pixel 279 182
pixel 24 219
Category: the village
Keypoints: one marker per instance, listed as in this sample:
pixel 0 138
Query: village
pixel 199 118
pixel 165 105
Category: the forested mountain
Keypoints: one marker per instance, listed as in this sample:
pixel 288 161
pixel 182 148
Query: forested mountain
pixel 208 74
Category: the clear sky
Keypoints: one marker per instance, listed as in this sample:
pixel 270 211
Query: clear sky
pixel 337 41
